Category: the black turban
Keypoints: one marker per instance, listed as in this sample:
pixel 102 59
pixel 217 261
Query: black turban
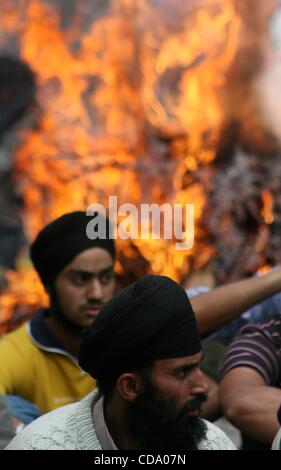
pixel 150 319
pixel 62 240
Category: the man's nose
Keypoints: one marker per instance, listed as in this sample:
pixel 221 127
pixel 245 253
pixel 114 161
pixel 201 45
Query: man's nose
pixel 94 291
pixel 200 384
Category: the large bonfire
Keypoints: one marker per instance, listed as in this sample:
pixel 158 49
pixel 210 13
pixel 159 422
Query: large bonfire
pixel 153 101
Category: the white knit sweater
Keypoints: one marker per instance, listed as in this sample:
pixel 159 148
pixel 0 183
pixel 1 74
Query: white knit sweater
pixel 71 428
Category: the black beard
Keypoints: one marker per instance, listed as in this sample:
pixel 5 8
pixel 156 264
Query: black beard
pixel 154 424
pixel 56 311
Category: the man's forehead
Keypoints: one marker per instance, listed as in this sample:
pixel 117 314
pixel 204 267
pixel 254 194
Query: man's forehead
pixel 82 270
pixel 92 260
pixel 89 271
pixel 175 363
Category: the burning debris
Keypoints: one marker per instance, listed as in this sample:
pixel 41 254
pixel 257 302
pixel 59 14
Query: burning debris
pixel 152 107
pixel 17 91
pixel 17 97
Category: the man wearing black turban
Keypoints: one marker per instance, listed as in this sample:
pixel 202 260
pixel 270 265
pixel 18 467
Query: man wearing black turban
pixel 144 349
pixel 39 360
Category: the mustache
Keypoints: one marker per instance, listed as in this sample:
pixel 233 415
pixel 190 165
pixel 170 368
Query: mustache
pixel 92 303
pixel 196 403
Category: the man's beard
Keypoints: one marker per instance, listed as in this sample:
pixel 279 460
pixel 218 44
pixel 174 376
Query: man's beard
pixel 57 312
pixel 155 424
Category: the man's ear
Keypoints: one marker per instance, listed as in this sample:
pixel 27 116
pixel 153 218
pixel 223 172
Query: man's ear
pixel 129 385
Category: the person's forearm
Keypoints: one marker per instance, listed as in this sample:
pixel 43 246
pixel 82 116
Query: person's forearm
pixel 221 305
pixel 254 412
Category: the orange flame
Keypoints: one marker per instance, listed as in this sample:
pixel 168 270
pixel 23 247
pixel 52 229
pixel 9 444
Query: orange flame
pixel 267 210
pixel 105 90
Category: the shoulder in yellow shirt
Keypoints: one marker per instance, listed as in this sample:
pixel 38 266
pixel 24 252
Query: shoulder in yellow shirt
pixel 33 365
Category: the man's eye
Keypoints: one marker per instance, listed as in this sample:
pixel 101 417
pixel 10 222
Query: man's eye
pixel 183 373
pixel 79 279
pixel 186 371
pixel 106 278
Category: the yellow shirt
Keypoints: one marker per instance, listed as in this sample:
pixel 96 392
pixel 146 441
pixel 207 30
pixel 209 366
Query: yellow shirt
pixel 40 372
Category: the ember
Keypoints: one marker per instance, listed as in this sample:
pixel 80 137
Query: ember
pixel 153 101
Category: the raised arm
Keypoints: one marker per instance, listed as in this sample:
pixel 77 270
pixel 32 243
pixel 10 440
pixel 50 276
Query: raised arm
pixel 221 305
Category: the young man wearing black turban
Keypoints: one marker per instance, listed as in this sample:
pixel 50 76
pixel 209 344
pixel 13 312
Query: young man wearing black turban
pixel 144 350
pixel 38 362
